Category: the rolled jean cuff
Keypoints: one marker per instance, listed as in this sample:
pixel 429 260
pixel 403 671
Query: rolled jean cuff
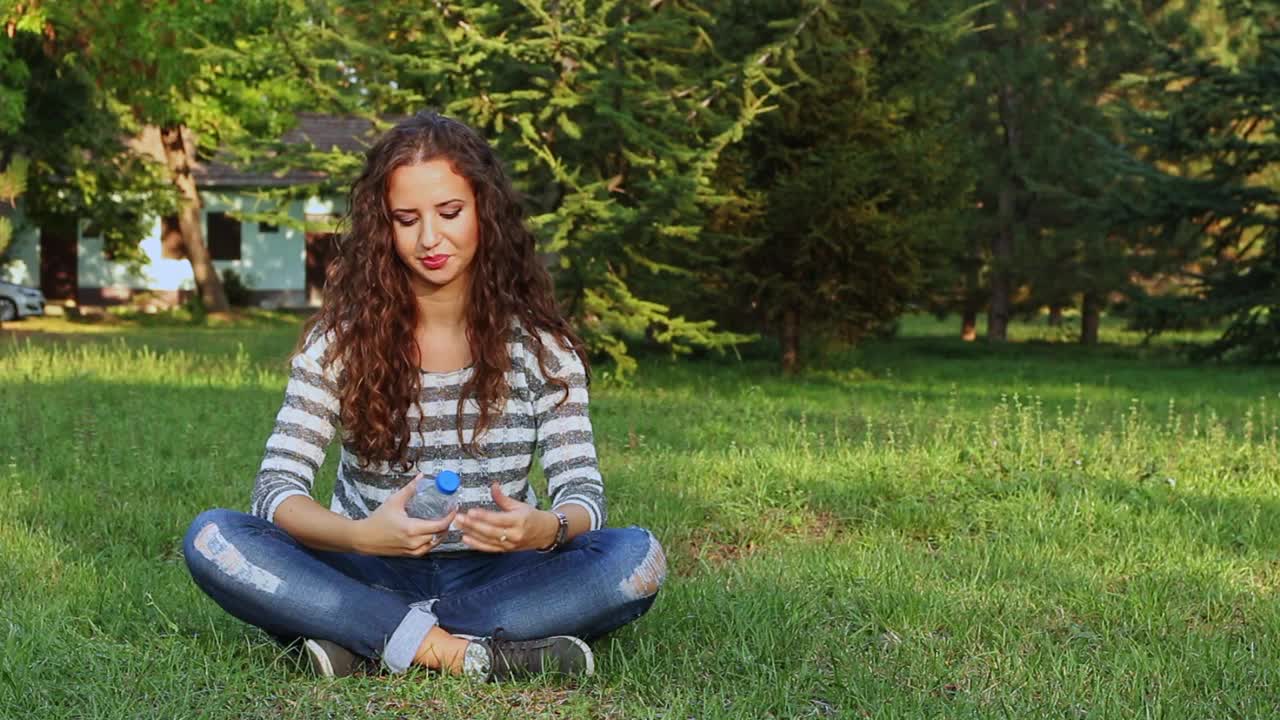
pixel 404 642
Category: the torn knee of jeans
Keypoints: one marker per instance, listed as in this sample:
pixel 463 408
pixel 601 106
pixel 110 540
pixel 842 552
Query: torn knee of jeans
pixel 215 548
pixel 648 576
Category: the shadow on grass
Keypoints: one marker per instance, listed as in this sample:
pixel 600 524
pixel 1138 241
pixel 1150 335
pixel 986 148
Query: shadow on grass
pixel 978 361
pixel 115 472
pixel 117 466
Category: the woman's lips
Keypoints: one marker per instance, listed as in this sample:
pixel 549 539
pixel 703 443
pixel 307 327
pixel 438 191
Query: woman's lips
pixel 435 262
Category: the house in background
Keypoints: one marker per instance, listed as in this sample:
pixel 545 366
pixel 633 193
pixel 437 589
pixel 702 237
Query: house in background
pixel 282 266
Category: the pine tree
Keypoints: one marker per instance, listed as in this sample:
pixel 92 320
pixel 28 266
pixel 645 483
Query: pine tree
pixel 1204 177
pixel 612 117
pixel 1043 77
pixel 854 180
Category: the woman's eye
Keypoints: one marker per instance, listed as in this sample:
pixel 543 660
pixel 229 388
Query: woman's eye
pixel 452 215
pixel 406 222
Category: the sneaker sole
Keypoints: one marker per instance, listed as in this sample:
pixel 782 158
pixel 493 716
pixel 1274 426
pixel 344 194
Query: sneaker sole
pixel 321 652
pixel 587 671
pixel 590 669
pixel 319 659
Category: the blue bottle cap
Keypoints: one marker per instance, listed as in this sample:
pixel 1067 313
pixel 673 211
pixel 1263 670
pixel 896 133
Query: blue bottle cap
pixel 447 482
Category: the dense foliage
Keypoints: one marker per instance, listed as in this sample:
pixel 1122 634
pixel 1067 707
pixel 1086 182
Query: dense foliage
pixel 701 172
pixel 1206 181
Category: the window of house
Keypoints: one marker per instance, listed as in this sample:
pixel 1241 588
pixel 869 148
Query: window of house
pixel 224 236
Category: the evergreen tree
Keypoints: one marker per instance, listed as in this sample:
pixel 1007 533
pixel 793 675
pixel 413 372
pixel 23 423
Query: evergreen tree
pixel 856 178
pixel 1043 75
pixel 612 117
pixel 1204 177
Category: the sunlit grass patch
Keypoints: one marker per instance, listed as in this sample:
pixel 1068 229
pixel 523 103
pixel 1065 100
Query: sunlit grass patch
pixel 920 528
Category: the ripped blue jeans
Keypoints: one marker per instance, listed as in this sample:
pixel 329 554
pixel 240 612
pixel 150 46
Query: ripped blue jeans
pixel 383 607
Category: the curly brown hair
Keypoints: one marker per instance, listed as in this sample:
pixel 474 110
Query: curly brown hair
pixel 370 314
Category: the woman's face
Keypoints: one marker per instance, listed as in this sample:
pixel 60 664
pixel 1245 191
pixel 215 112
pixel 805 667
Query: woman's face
pixel 434 220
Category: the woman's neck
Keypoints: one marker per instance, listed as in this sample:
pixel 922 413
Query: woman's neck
pixel 442 307
pixel 441 335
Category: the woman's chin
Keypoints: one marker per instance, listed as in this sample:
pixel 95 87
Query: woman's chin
pixel 433 280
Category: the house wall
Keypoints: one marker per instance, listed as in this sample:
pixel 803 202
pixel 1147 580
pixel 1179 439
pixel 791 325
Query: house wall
pixel 23 257
pixel 269 262
pixel 271 265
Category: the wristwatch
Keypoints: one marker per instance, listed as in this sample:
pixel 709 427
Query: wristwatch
pixel 562 532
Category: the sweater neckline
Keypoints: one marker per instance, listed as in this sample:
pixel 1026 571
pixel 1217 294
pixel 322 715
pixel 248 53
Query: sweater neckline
pixel 444 374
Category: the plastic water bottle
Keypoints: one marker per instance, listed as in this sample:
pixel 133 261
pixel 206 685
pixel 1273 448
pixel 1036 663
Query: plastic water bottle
pixel 434 499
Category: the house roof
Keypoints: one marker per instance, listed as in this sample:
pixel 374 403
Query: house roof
pixel 325 133
pixel 214 174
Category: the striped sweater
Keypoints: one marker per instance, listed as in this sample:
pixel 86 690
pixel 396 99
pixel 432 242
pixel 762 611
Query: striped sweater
pixel 533 419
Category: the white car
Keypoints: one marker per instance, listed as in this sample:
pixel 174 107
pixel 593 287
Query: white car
pixel 19 301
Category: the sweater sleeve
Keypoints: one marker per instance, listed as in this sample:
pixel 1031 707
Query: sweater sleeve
pixel 304 426
pixel 565 443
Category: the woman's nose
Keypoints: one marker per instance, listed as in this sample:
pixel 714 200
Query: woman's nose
pixel 430 236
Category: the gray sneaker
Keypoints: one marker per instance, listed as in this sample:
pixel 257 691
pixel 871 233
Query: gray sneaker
pixel 514 659
pixel 329 659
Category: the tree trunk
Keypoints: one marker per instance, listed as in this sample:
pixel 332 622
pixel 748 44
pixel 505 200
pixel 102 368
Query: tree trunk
pixel 178 154
pixel 969 325
pixel 1090 315
pixel 972 294
pixel 1002 242
pixel 790 342
pixel 1055 315
pixel 1001 259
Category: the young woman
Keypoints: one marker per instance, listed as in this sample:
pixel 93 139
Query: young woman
pixel 439 347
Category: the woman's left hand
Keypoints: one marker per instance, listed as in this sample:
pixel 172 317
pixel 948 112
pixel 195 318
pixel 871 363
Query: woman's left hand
pixel 516 526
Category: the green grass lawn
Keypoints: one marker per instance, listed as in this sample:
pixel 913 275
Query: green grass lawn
pixel 917 528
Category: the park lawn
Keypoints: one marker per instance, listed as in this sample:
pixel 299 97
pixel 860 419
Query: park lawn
pixel 916 528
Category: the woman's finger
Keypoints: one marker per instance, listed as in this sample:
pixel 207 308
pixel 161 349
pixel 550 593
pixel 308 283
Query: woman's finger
pixel 504 501
pixel 401 497
pixel 430 537
pixel 499 519
pixel 471 526
pixel 482 545
pixel 427 527
pixel 424 545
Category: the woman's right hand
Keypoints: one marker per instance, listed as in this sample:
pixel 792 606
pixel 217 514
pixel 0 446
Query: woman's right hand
pixel 390 531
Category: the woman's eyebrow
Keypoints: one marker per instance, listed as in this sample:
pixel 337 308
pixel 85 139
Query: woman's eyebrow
pixel 414 210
